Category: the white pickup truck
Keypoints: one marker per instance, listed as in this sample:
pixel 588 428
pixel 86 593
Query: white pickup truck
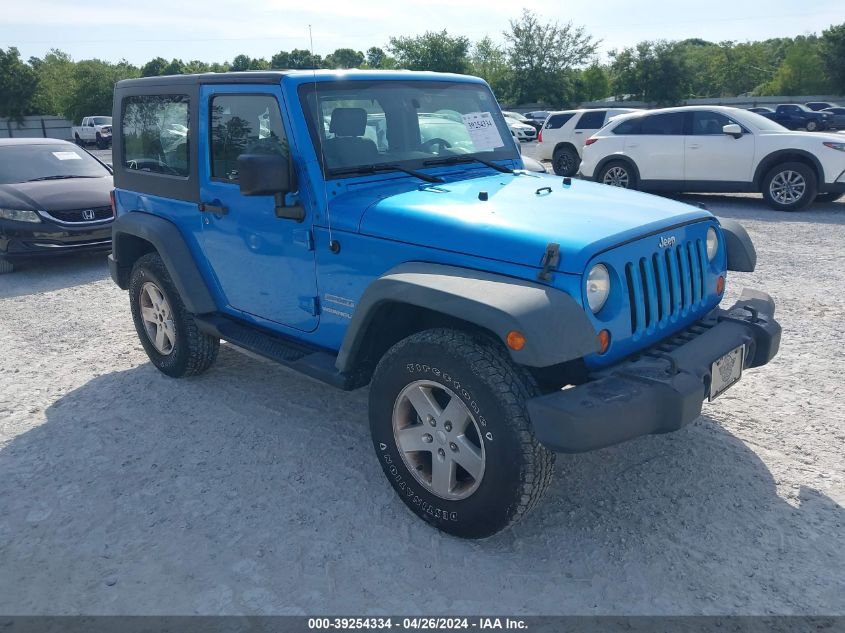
pixel 94 129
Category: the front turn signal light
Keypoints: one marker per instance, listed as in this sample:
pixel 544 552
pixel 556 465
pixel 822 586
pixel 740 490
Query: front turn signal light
pixel 720 285
pixel 515 340
pixel 604 341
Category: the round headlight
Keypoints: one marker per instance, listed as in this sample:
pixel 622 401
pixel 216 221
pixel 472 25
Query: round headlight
pixel 712 243
pixel 598 287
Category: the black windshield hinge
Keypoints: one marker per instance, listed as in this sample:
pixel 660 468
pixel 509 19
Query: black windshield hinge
pixel 551 258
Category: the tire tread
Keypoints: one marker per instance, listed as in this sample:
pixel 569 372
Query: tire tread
pixel 513 385
pixel 201 348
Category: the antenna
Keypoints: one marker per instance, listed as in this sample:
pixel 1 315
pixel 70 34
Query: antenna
pixel 334 247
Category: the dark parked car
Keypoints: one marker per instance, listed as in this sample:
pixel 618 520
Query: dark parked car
pixel 761 110
pixel 794 116
pixel 516 116
pixel 816 106
pixel 538 116
pixel 54 199
pixel 837 117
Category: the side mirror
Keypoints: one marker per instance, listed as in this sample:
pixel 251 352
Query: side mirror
pixel 269 175
pixel 263 174
pixel 732 129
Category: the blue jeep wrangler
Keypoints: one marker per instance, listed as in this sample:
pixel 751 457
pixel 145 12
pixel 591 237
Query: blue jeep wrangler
pixel 378 228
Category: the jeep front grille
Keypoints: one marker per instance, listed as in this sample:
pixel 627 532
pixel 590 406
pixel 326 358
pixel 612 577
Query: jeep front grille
pixel 665 285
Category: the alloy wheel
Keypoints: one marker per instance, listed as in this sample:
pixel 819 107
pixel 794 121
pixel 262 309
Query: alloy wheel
pixel 787 187
pixel 157 318
pixel 439 440
pixel 616 177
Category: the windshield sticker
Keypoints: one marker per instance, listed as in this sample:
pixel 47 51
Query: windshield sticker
pixel 482 130
pixel 67 155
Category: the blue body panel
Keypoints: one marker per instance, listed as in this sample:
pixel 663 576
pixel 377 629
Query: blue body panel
pixel 263 266
pixel 260 269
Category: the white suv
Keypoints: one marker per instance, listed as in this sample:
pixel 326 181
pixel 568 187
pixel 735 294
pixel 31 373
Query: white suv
pixel 562 137
pixel 717 149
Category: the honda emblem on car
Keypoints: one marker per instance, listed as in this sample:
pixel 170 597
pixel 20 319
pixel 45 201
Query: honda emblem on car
pixel 667 241
pixel 88 214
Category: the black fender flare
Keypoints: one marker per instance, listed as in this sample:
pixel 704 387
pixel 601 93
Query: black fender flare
pixel 555 327
pixel 742 256
pixel 620 158
pixel 167 240
pixel 783 155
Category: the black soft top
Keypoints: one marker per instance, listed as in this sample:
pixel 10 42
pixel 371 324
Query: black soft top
pixel 246 77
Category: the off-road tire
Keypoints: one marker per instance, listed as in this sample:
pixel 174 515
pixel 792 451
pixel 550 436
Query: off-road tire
pixel 618 165
pixel 6 266
pixel 810 186
pixel 517 470
pixel 193 351
pixel 101 144
pixel 565 161
pixel 78 140
pixel 830 196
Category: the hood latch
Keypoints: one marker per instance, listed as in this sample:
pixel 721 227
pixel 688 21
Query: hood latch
pixel 551 258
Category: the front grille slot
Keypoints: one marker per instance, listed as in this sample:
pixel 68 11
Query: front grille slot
pixel 77 216
pixel 666 284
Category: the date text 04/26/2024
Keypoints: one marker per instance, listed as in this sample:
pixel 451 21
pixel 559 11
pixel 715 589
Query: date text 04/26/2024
pixel 417 623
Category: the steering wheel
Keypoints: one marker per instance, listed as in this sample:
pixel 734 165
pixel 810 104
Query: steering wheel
pixel 151 164
pixel 442 144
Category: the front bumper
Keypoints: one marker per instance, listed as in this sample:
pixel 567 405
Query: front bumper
pixel 659 390
pixel 20 240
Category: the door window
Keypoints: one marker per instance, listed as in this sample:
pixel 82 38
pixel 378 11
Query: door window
pixel 705 123
pixel 244 124
pixel 591 120
pixel 666 124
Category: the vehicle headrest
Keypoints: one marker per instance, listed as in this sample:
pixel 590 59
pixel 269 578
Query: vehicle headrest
pixel 348 122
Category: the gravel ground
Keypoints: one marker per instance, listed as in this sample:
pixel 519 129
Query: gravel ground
pixel 254 490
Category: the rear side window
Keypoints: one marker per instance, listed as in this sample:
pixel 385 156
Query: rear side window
pixel 244 124
pixel 591 120
pixel 668 124
pixel 558 120
pixel 155 134
pixel 630 126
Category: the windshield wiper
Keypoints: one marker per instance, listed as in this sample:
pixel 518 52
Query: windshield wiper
pixel 372 169
pixel 468 158
pixel 58 178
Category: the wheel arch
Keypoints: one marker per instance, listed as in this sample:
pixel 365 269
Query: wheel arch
pixel 617 158
pixel 415 296
pixel 564 145
pixel 137 233
pixel 786 156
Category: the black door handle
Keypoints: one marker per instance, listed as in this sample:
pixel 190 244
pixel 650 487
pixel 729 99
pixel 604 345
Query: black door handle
pixel 212 208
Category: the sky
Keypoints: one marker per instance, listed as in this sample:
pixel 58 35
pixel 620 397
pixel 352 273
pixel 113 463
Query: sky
pixel 218 30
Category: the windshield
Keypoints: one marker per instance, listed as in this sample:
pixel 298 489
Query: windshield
pixel 102 120
pixel 364 123
pixel 23 163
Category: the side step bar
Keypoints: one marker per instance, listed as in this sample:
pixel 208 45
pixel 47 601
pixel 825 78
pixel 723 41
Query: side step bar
pixel 313 362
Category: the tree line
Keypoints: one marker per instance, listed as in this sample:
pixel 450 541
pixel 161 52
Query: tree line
pixel 535 62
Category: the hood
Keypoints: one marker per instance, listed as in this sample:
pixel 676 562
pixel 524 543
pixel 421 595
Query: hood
pixel 821 137
pixel 519 218
pixel 58 195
